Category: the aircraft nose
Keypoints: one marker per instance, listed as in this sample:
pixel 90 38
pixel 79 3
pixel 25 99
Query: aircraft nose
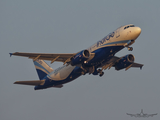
pixel 137 31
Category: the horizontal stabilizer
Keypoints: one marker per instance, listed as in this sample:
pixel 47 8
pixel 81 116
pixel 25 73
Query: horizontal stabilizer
pixel 34 82
pixel 58 86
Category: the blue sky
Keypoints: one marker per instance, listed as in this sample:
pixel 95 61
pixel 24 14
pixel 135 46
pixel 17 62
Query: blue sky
pixel 54 26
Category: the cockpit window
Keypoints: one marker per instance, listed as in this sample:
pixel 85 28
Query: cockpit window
pixel 126 27
pixel 129 26
pixel 132 26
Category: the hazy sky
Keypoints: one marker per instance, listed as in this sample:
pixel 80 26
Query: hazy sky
pixel 68 26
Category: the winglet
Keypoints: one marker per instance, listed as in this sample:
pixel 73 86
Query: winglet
pixel 11 54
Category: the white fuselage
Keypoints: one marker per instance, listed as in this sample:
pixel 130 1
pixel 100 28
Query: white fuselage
pixel 123 36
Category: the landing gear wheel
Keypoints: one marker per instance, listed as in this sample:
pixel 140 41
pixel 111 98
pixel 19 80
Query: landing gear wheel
pixel 101 74
pixel 130 48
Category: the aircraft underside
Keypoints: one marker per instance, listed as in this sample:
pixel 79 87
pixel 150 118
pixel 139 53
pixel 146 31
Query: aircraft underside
pixel 104 54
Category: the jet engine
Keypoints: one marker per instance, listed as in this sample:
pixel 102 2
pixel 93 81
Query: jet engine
pixel 124 62
pixel 80 57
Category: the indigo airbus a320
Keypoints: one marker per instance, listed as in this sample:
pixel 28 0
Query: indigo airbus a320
pixel 93 60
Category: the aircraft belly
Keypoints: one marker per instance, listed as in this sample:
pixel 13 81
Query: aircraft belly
pixel 62 74
pixel 104 54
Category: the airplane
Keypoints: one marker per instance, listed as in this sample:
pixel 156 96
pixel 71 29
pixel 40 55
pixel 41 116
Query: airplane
pixel 93 60
pixel 141 114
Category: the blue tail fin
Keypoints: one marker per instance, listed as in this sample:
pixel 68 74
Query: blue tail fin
pixel 42 68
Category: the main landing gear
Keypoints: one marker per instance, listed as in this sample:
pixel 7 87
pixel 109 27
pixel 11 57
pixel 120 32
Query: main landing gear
pixel 91 70
pixel 130 48
pixel 101 73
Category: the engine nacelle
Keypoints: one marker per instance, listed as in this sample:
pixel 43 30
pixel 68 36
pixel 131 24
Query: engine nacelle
pixel 124 62
pixel 80 57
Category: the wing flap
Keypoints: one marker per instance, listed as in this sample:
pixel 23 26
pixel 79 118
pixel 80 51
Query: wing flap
pixel 34 82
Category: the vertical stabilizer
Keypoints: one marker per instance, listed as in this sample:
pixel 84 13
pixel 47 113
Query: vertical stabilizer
pixel 42 68
pixel 142 111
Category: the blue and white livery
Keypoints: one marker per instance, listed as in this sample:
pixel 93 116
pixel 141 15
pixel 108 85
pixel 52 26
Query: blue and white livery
pixel 93 60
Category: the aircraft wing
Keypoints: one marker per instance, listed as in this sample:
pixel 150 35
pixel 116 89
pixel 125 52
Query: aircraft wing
pixel 152 115
pixel 130 114
pixel 63 57
pixel 113 60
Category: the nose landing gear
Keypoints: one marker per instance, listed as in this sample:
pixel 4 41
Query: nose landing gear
pixel 130 48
